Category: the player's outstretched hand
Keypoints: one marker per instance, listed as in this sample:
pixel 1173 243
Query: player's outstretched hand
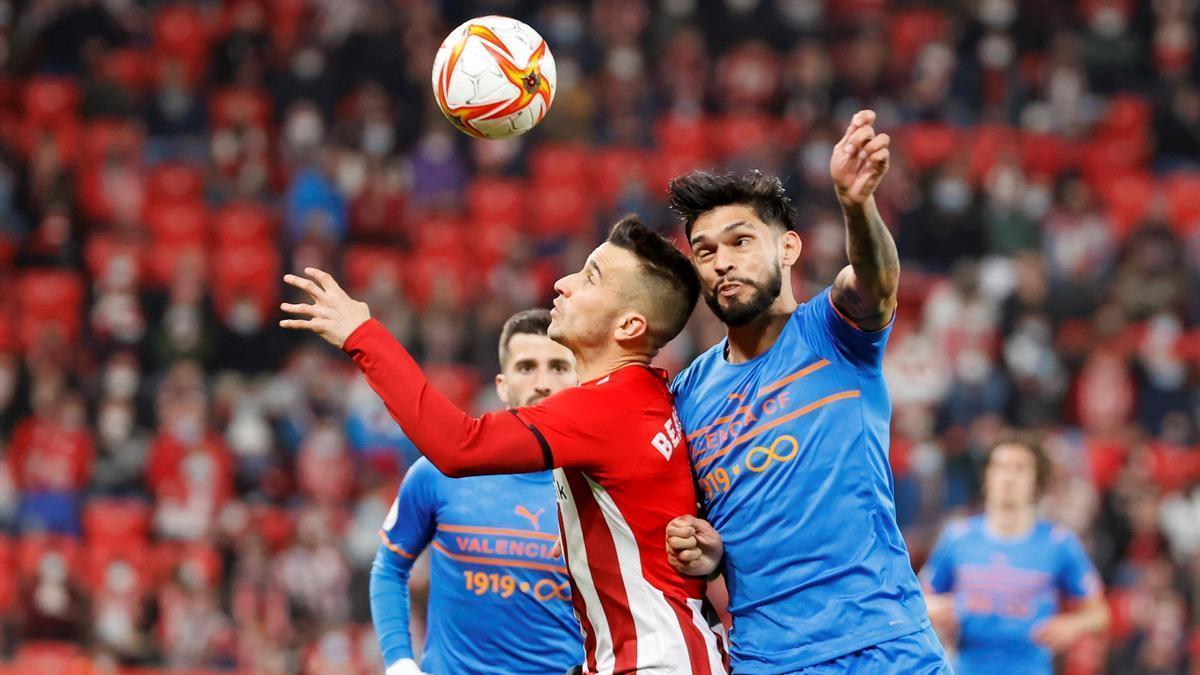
pixel 859 160
pixel 333 315
pixel 693 546
pixel 1058 632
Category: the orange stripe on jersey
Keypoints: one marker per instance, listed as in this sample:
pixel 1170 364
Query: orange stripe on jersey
pixel 832 398
pixel 803 372
pixel 498 562
pixel 498 531
pixel 394 548
pixel 809 370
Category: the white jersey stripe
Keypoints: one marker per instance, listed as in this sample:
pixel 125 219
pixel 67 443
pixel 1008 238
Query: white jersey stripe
pixel 710 639
pixel 661 646
pixel 581 573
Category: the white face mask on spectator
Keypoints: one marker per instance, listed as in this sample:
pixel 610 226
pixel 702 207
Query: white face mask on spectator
pixel 115 424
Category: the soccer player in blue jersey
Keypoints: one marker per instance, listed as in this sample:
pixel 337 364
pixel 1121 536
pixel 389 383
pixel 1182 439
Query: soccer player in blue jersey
pixel 787 427
pixel 1012 588
pixel 499 599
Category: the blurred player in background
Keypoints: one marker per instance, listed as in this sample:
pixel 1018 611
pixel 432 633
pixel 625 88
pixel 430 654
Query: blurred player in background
pixel 787 423
pixel 996 582
pixel 621 468
pixel 499 601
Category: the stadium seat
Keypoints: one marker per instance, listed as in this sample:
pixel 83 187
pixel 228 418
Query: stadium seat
pixel 49 101
pixel 560 210
pixel 179 33
pixel 457 383
pixel 31 548
pixel 1183 202
pixel 439 238
pixel 363 266
pixel 1047 155
pixel 164 261
pixel 8 580
pixel 244 223
pixel 240 106
pixel 667 165
pixel 559 164
pixel 177 223
pixel 1115 153
pixel 496 201
pixel 98 557
pixel 175 182
pixel 116 523
pixel 683 135
pixel 241 271
pixel 925 146
pixel 616 169
pixel 1127 196
pixel 909 31
pixel 986 145
pixel 106 139
pixel 50 299
pixel 127 67
pixel 744 132
pixel 1126 114
pixel 64 658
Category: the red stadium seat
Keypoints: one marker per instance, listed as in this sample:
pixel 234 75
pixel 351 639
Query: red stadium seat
pixel 439 238
pixel 1048 154
pixel 1109 154
pixel 928 145
pixel 669 165
pixel 174 224
pixel 32 548
pixel 496 200
pixel 910 30
pixel 116 522
pixel 240 106
pixel 246 271
pixel 43 656
pixel 179 30
pixel 175 182
pixel 365 266
pixel 560 210
pixel 559 164
pixel 1183 201
pixel 109 138
pixel 50 101
pixel 988 144
pixel 50 300
pixel 8 580
pixel 98 557
pixel 1127 114
pixel 745 132
pixel 127 67
pixel 491 244
pixel 683 135
pixel 616 169
pixel 167 260
pixel 1127 196
pixel 244 223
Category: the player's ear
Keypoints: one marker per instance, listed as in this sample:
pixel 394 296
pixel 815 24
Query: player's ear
pixel 790 246
pixel 631 326
pixel 501 390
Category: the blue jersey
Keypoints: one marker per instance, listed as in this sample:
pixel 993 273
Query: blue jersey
pixel 791 452
pixel 1003 588
pixel 499 602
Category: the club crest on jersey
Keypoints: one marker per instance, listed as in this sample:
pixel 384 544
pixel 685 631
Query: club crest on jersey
pixel 666 440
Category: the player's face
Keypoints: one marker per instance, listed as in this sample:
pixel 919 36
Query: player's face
pixel 537 367
pixel 1011 477
pixel 589 302
pixel 740 262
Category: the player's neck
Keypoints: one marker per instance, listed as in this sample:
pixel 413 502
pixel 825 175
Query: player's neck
pixel 755 338
pixel 1011 522
pixel 593 366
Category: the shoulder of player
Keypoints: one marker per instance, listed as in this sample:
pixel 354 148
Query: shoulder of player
pixel 1056 534
pixel 960 527
pixel 423 472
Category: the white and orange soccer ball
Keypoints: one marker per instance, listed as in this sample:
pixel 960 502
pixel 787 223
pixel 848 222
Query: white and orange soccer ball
pixel 494 77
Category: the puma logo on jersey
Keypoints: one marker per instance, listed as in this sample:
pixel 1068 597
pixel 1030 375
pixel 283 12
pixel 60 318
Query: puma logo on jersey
pixel 531 517
pixel 666 440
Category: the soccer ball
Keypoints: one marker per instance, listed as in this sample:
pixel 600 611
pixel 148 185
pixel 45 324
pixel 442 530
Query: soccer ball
pixel 494 77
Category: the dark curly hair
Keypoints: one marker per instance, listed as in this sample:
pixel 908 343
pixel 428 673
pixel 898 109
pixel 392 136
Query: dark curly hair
pixel 694 194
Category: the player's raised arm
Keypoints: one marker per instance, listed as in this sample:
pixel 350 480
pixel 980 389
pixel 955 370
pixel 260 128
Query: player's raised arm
pixel 865 290
pixel 456 443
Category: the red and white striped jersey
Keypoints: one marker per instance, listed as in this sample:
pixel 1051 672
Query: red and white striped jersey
pixel 621 475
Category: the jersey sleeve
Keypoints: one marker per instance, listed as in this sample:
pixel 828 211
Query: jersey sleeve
pixel 406 532
pixel 456 443
pixel 574 426
pixel 937 575
pixel 834 336
pixel 1077 576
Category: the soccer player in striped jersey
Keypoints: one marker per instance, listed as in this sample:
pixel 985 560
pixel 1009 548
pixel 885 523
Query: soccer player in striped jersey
pixel 787 422
pixel 620 463
pixel 1011 589
pixel 493 539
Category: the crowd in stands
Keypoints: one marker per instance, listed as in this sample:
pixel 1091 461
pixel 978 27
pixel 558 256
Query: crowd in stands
pixel 186 486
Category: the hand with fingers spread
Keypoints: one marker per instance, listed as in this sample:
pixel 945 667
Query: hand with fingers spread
pixel 859 160
pixel 693 546
pixel 333 315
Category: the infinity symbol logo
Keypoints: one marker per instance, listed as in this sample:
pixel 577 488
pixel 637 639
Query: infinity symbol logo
pixel 771 454
pixel 547 589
